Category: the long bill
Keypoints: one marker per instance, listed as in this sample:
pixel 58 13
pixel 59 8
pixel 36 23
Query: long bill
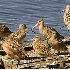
pixel 35 26
pixel 31 30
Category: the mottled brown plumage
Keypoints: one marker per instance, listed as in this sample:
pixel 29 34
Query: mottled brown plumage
pixel 4 31
pixel 14 49
pixel 19 35
pixel 41 47
pixel 58 45
pixel 52 36
pixel 67 16
pixel 47 31
pixel 11 44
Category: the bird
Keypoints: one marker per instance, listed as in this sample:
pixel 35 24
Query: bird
pixel 51 35
pixel 14 49
pixel 47 31
pixel 12 44
pixel 66 16
pixel 58 45
pixel 18 35
pixel 41 47
pixel 4 31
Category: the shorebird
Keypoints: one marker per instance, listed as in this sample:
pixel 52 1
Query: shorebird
pixel 11 44
pixel 58 45
pixel 41 47
pixel 47 31
pixel 67 16
pixel 4 31
pixel 19 35
pixel 51 35
pixel 13 49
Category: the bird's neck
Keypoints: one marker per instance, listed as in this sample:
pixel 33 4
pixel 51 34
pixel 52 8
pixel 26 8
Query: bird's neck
pixel 22 30
pixel 36 41
pixel 41 27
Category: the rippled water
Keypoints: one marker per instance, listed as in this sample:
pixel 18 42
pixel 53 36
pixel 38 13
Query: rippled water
pixel 14 12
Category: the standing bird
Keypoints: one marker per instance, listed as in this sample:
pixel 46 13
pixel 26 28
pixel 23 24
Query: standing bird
pixel 51 35
pixel 4 31
pixel 41 47
pixel 67 16
pixel 11 44
pixel 13 49
pixel 19 35
pixel 47 31
pixel 58 45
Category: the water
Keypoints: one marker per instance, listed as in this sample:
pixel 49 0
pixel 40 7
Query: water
pixel 14 12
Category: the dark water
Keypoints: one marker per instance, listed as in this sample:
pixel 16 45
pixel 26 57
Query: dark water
pixel 14 12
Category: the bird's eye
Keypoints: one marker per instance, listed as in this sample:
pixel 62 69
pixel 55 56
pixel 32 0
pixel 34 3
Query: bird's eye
pixel 39 21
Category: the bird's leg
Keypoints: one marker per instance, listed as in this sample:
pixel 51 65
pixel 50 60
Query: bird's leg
pixel 32 30
pixel 12 65
pixel 43 58
pixel 58 52
pixel 18 62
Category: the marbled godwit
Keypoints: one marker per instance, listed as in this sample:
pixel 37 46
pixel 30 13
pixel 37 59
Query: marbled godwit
pixel 13 49
pixel 67 16
pixel 47 31
pixel 4 31
pixel 19 35
pixel 52 36
pixel 11 44
pixel 58 45
pixel 42 48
